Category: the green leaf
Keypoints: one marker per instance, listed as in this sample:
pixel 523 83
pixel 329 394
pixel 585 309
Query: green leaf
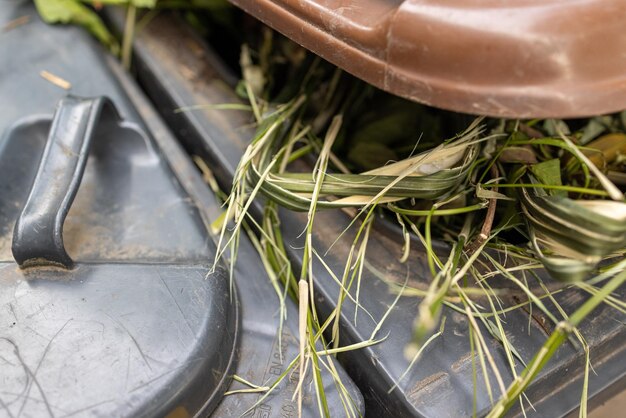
pixel 549 172
pixel 483 193
pixel 77 13
pixel 143 3
pixel 594 128
pixel 72 11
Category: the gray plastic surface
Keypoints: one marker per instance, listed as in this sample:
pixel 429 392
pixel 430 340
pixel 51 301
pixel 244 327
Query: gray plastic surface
pixel 135 328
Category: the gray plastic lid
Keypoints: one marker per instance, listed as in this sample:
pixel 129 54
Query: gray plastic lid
pixel 110 309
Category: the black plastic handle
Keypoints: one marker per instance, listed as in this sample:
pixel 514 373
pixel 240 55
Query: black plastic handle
pixel 38 234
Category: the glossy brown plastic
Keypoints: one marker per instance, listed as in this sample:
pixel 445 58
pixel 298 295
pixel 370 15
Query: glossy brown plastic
pixel 522 59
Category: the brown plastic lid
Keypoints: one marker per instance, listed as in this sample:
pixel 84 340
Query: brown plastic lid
pixel 523 58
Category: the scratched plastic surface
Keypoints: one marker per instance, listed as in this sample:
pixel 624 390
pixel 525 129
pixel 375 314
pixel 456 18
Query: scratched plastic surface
pixel 108 340
pixel 524 58
pixel 134 329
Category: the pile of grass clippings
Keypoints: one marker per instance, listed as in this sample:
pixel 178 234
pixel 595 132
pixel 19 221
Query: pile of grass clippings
pixel 547 193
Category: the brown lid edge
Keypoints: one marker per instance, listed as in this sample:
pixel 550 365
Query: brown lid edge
pixel 520 101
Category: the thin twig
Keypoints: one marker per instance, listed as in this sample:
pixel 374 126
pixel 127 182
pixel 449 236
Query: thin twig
pixel 491 212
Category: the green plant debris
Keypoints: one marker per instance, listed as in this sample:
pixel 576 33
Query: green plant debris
pixel 85 13
pixel 529 190
pixel 76 12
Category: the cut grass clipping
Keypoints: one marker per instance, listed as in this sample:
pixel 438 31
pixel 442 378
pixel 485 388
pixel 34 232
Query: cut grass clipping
pixel 542 194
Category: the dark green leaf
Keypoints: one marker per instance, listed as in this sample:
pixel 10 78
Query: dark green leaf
pixel 549 172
